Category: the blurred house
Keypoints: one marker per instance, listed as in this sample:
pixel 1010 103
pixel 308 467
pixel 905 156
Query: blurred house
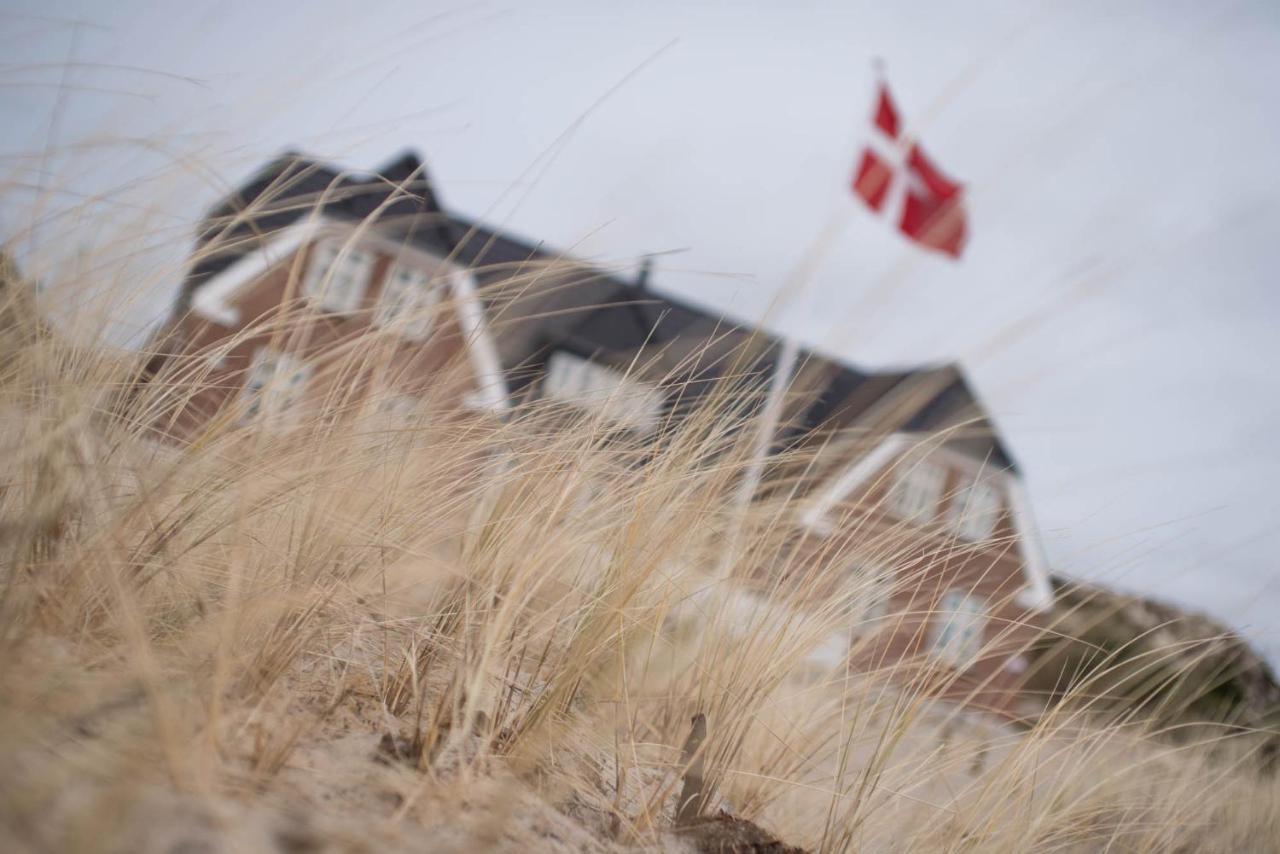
pixel 291 269
pixel 896 481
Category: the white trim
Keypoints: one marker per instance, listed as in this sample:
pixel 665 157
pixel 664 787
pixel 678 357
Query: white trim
pixel 766 430
pixel 480 347
pixel 1038 594
pixel 211 297
pixel 815 515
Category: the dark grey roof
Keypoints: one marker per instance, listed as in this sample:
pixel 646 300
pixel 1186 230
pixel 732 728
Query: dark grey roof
pixel 538 299
pixel 293 187
pixel 702 348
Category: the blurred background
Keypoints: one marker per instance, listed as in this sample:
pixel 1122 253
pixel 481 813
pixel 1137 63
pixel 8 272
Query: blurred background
pixel 1116 305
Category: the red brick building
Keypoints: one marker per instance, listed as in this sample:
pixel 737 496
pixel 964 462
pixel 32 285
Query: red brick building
pixel 909 489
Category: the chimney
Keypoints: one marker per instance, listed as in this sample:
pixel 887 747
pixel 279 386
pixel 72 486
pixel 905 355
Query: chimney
pixel 642 275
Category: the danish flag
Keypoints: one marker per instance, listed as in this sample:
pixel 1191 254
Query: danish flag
pixel 896 179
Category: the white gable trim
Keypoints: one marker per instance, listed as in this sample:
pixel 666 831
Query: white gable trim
pixel 1037 595
pixel 211 300
pixel 815 515
pixel 211 297
pixel 490 377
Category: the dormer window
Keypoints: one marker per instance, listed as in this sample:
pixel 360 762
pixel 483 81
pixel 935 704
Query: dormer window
pixel 274 386
pixel 975 510
pixel 916 491
pixel 337 276
pixel 406 306
pixel 616 397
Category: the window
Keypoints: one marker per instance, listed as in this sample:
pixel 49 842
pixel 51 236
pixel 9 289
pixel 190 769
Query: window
pixel 407 302
pixel 616 397
pixel 915 493
pixel 831 653
pixel 957 628
pixel 275 385
pixel 398 408
pixel 975 510
pixel 337 276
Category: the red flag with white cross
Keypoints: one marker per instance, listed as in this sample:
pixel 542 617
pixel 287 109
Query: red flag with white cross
pixel 897 180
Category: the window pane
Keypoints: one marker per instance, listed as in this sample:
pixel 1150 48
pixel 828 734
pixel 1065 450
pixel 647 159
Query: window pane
pixel 337 276
pixel 975 510
pixel 916 492
pixel 616 397
pixel 399 408
pixel 407 303
pixel 275 385
pixel 958 628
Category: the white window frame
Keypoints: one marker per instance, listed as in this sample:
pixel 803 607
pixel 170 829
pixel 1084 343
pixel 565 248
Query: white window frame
pixel 618 398
pixel 975 509
pixel 274 385
pixel 959 625
pixel 338 276
pixel 916 491
pixel 407 302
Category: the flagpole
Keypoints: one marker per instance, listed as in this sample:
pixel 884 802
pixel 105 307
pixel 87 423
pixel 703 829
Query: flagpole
pixel 783 372
pixel 784 369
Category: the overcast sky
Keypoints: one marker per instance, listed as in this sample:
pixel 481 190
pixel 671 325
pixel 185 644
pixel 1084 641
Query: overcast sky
pixel 1117 307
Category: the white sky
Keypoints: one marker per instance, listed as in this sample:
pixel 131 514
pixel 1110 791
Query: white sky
pixel 1117 307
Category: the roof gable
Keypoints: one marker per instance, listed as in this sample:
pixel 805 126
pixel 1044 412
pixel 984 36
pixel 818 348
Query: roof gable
pixel 293 188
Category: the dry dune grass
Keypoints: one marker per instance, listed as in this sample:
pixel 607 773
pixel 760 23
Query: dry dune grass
pixel 365 633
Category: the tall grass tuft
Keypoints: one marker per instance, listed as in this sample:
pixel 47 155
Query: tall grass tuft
pixel 449 631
